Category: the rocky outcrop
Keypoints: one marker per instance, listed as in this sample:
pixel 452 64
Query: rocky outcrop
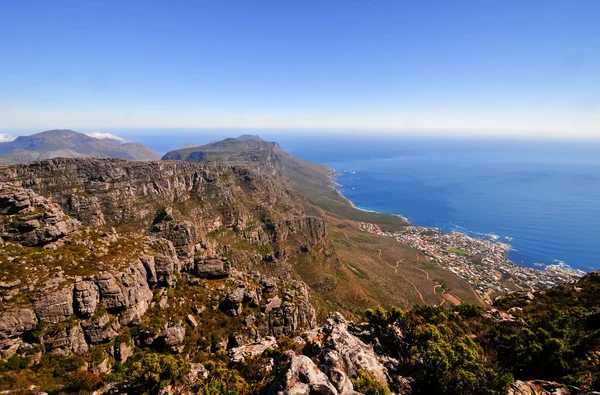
pixel 211 266
pixel 123 351
pixel 109 192
pixel 342 355
pixel 288 315
pixel 541 387
pixel 173 337
pixel 239 354
pixel 161 266
pixel 86 297
pixel 65 341
pixel 181 233
pixel 17 321
pixel 232 304
pixel 100 329
pixel 91 286
pixel 111 294
pixel 302 377
pixel 31 220
pixel 55 306
pixel 14 323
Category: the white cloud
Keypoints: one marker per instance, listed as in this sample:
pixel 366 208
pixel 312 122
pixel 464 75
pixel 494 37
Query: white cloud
pixel 4 138
pixel 100 135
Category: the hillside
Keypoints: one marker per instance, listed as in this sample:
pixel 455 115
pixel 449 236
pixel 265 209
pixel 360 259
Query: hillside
pixel 313 181
pixel 70 144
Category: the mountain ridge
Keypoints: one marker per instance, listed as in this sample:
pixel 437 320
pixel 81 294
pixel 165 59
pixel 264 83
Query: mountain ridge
pixel 314 181
pixel 68 143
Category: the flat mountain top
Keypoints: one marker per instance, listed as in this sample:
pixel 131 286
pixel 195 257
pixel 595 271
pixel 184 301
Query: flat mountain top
pixel 71 144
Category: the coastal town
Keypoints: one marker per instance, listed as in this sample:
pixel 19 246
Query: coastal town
pixel 481 262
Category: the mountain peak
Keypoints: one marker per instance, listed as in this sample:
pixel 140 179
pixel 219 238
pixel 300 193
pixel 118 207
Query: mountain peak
pixel 247 137
pixel 66 142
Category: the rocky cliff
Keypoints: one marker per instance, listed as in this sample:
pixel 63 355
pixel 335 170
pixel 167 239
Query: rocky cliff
pixel 100 256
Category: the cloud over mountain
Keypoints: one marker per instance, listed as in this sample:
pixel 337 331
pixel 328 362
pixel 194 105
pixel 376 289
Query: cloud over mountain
pixel 103 136
pixel 5 137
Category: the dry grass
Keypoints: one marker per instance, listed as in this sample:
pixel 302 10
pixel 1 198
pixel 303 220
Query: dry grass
pixel 368 270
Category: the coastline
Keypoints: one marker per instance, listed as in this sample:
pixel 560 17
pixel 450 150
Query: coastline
pixel 334 184
pixel 482 262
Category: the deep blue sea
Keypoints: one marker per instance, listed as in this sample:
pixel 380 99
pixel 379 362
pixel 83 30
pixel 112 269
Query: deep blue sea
pixel 543 198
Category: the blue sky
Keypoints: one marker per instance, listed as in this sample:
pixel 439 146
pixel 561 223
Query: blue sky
pixel 505 67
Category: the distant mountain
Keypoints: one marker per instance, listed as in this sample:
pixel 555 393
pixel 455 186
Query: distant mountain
pixel 312 180
pixel 246 150
pixel 70 144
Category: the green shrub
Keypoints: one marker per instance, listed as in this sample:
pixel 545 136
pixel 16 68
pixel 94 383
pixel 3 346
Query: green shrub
pixel 158 371
pixel 369 386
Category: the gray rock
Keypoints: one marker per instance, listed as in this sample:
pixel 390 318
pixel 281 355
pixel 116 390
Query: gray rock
pixel 165 215
pixel 192 321
pixel 181 233
pixel 111 295
pixel 273 303
pixel 251 298
pixel 249 320
pixel 149 265
pixel 9 284
pixel 100 329
pixel 239 354
pixel 138 294
pixel 173 337
pixel 302 377
pixel 269 286
pixel 541 387
pixel 86 297
pixel 55 306
pixel 123 351
pixel 344 354
pixel 16 321
pixel 65 341
pixel 30 219
pixel 212 266
pixel 232 304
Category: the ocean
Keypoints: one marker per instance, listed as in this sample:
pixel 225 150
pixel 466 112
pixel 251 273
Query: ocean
pixel 541 197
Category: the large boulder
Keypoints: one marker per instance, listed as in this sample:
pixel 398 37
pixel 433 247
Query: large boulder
pixel 211 266
pixel 302 377
pixel 232 304
pixel 342 355
pixel 173 337
pixel 239 354
pixel 30 219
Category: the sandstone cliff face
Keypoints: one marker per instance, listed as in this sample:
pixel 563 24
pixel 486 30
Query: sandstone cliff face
pixel 146 245
pixel 201 198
